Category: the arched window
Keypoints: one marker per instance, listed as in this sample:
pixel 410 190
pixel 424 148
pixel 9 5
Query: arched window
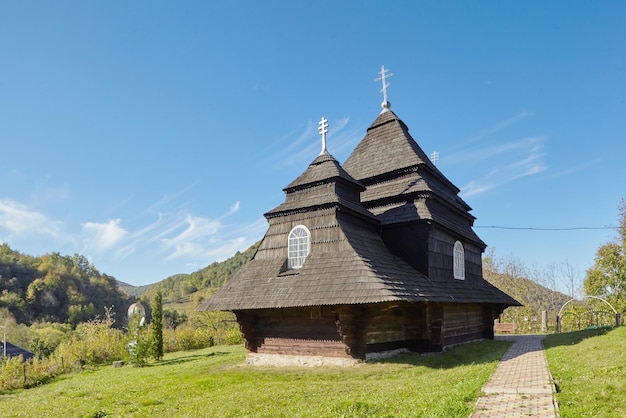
pixel 459 261
pixel 298 247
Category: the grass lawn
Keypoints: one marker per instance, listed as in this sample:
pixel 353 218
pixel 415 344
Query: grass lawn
pixel 590 372
pixel 215 383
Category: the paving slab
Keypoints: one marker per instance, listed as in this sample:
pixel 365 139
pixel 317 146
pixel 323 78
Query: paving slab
pixel 522 385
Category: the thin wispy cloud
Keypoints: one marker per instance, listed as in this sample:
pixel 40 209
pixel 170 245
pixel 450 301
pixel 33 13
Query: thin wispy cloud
pixel 508 163
pixel 475 187
pixel 492 162
pixel 532 164
pixel 501 125
pixel 577 168
pixel 299 148
pixel 233 209
pixel 485 141
pixel 494 151
pixel 305 144
pixel 18 219
pixel 191 241
pixel 173 235
pixel 43 196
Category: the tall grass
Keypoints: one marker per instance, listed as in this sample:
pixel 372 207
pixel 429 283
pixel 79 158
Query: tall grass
pixel 214 382
pixel 589 368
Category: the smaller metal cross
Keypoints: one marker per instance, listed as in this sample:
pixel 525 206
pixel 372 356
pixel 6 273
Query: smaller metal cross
pixel 384 76
pixel 434 157
pixel 323 128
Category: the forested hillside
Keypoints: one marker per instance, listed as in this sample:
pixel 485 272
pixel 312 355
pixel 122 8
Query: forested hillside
pixel 511 278
pixel 131 290
pixel 203 282
pixel 56 288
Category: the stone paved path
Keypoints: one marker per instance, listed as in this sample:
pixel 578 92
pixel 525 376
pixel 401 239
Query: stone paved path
pixel 521 386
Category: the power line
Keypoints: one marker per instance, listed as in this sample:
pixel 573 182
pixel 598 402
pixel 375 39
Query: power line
pixel 531 228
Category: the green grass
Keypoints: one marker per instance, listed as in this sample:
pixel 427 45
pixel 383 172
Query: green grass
pixel 589 368
pixel 214 382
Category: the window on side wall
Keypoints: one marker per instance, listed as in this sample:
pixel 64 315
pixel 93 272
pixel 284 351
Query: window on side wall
pixel 459 261
pixel 298 247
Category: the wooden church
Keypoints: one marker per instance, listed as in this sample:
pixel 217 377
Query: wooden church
pixel 371 256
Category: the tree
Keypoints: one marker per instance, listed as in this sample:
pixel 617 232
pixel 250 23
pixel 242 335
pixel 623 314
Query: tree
pixel 157 326
pixel 607 277
pixel 570 278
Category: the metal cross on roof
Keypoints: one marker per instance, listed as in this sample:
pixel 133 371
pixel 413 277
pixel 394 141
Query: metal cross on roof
pixel 323 128
pixel 384 76
pixel 434 157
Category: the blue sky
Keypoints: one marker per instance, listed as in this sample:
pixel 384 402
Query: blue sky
pixel 152 136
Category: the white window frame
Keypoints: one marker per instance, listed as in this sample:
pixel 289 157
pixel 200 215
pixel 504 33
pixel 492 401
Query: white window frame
pixel 298 246
pixel 458 261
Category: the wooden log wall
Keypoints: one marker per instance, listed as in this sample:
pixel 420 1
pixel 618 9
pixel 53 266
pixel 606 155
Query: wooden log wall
pixel 384 326
pixel 293 331
pixel 355 330
pixel 463 323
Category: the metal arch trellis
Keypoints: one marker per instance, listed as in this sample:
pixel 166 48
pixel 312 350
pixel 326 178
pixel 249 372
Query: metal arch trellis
pixel 591 318
pixel 559 316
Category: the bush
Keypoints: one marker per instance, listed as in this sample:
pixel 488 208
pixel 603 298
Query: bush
pixel 46 337
pixel 16 373
pixel 233 337
pixel 93 342
pixel 185 338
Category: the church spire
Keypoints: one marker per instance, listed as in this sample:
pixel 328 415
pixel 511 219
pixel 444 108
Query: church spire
pixel 384 76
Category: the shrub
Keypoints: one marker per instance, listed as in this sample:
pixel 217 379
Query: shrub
pixel 16 373
pixel 93 342
pixel 221 326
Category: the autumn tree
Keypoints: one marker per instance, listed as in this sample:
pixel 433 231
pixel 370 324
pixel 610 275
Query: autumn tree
pixel 607 277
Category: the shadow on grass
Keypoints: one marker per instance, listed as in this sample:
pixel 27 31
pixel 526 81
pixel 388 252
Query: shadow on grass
pixel 486 351
pixel 186 359
pixel 574 337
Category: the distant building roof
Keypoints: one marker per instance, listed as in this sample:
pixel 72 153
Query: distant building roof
pixel 14 351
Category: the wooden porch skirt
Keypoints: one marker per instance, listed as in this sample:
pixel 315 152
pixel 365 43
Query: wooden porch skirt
pixel 300 347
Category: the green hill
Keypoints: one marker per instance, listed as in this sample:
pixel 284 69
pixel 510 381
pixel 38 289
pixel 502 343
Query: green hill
pixel 56 288
pixel 185 291
pixel 132 290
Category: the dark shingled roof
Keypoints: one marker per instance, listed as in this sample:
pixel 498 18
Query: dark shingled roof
pixel 325 168
pixel 395 170
pixel 323 183
pixel 348 263
pixel 387 147
pixel 360 270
